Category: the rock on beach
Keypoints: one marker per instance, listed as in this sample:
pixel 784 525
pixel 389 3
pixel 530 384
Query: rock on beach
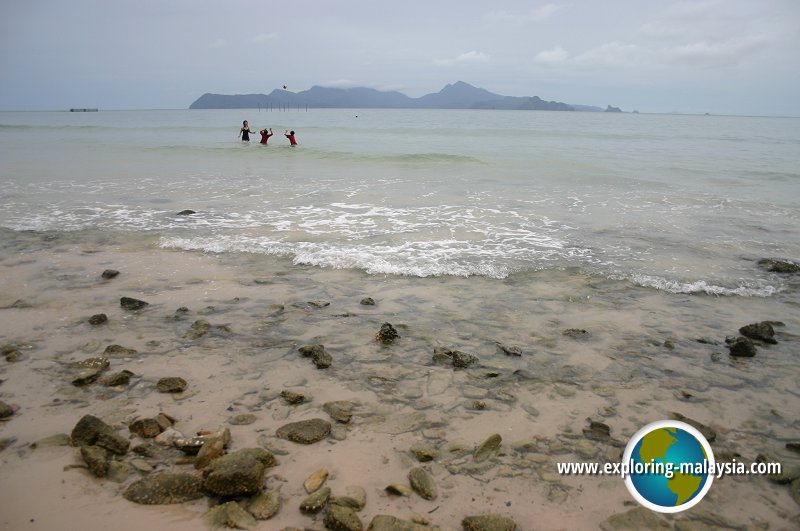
pixel 305 431
pixel 163 489
pixel 239 473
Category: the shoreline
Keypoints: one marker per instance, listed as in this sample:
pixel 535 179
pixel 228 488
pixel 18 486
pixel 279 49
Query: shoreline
pixel 261 309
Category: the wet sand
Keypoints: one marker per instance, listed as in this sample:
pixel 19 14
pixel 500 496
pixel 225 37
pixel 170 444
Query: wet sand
pixel 638 362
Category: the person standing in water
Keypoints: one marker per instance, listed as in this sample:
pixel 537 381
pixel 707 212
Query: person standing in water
pixel 244 132
pixel 265 136
pixel 290 136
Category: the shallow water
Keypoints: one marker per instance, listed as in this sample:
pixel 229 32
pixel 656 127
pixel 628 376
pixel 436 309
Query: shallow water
pixel 471 231
pixel 620 372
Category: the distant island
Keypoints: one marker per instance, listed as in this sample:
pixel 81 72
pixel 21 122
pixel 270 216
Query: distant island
pixel 458 95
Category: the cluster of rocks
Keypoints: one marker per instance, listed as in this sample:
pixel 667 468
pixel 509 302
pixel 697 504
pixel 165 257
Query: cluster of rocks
pixel 90 370
pixel 457 358
pixel 744 346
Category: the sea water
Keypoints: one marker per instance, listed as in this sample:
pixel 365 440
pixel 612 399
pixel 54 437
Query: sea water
pixel 677 203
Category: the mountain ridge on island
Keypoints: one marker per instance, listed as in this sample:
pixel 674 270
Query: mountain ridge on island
pixel 459 95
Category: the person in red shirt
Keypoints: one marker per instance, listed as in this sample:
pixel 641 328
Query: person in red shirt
pixel 290 136
pixel 265 136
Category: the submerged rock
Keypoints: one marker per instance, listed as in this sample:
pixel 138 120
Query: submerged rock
pixel 171 384
pixel 90 430
pixel 634 520
pixel 118 350
pixel 187 212
pixel 316 502
pixel 384 522
pixel 163 489
pixel 131 304
pixel 510 350
pixel 598 431
pixel 422 483
pixel 354 497
pixel 318 355
pixel 239 473
pixel 742 347
pixel 339 410
pixel 341 518
pixel 575 332
pixel 265 505
pixel 488 447
pixel 488 522
pixel 305 431
pixel 108 274
pixel 230 515
pixel 293 398
pixel 368 301
pixel 96 458
pixel 779 266
pixel 462 360
pixel 762 331
pixel 118 378
pixel 387 334
pixel 198 329
pixel 398 489
pixel 424 452
pixel 98 319
pixel 704 430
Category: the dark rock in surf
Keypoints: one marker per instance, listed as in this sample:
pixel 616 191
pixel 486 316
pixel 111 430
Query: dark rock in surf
pixel 91 430
pixel 368 301
pixel 186 212
pixel 779 266
pixel 96 458
pixel 387 334
pixel 462 360
pixel 145 428
pixel 171 384
pixel 510 350
pixel 575 332
pixel 742 347
pixel 5 410
pixel 762 331
pixel 108 274
pixel 131 304
pixel 597 431
pixel 318 355
pixel 239 473
pixel 98 319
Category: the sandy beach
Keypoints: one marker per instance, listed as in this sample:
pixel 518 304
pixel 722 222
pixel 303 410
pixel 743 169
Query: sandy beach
pixel 554 350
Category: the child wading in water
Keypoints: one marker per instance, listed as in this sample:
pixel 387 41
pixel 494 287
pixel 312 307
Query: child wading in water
pixel 290 136
pixel 265 136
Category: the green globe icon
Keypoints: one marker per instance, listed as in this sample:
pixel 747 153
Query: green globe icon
pixel 670 466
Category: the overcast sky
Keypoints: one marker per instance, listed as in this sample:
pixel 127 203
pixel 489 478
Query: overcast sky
pixel 717 56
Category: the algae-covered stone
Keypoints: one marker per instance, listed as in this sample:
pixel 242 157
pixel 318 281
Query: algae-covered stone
pixel 96 458
pixel 131 304
pixel 762 331
pixel 90 430
pixel 422 483
pixel 145 428
pixel 98 319
pixel 316 502
pixel 293 398
pixel 171 384
pixel 384 522
pixel 108 274
pixel 239 473
pixel 119 350
pixel 230 515
pixel 341 518
pixel 198 329
pixel 424 452
pixel 265 505
pixel 354 497
pixel 163 489
pixel 742 347
pixel 59 439
pixel 118 378
pixel 487 448
pixel 305 431
pixel 339 410
pixel 387 334
pixel 462 360
pixel 634 520
pixel 91 363
pixel 488 522
pixel 243 419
